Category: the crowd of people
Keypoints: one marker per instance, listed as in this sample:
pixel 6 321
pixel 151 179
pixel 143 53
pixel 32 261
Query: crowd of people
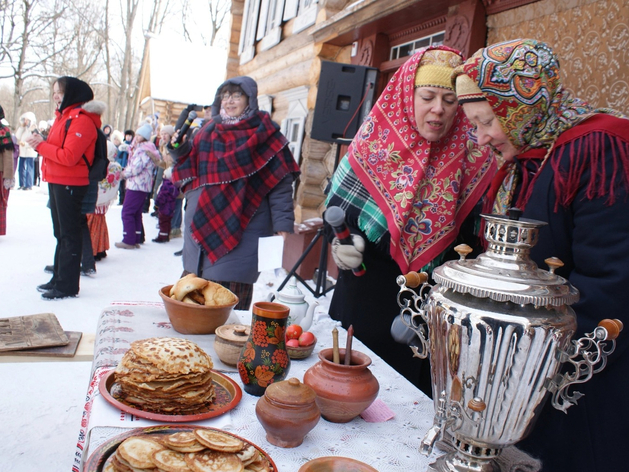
pixel 447 140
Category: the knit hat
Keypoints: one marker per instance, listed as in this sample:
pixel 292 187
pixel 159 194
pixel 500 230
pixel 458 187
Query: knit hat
pixel 168 129
pixel 145 131
pixel 116 134
pixel 466 89
pixel 435 69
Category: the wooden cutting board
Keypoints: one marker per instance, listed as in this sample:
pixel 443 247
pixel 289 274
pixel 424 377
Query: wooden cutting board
pixel 69 350
pixel 31 331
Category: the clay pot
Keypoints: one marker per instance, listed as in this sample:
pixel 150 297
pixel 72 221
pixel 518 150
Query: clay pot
pixel 263 359
pixel 229 342
pixel 343 391
pixel 288 412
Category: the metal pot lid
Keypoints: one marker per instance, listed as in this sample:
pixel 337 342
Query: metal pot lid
pixel 505 271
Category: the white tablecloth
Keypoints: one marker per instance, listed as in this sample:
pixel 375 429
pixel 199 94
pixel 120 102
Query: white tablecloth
pixel 390 445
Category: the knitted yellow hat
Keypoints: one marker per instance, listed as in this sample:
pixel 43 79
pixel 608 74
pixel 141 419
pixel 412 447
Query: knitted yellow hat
pixel 435 69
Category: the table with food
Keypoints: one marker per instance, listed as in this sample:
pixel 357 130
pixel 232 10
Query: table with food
pixel 247 391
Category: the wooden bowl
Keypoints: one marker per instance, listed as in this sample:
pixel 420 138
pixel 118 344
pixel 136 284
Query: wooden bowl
pixel 301 352
pixel 194 319
pixel 335 464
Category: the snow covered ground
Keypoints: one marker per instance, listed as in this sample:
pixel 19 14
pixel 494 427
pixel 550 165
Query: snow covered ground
pixel 41 403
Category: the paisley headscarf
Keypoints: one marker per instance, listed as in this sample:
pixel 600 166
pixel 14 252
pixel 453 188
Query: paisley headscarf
pixel 424 189
pixel 520 80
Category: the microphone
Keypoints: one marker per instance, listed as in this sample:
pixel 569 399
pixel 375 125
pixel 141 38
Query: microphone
pixel 335 217
pixel 184 129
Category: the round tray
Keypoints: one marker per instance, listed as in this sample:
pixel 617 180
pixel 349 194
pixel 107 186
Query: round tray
pixel 99 459
pixel 228 395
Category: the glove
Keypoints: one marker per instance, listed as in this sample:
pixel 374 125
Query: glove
pixel 8 183
pixel 348 256
pixel 123 147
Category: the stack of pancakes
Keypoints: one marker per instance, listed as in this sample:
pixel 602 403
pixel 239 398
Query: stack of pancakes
pixel 165 375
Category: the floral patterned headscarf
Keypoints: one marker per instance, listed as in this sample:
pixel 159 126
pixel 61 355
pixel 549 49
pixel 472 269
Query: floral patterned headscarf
pixel 520 80
pixel 424 189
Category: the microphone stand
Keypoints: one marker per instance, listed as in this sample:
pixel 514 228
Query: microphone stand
pixel 322 271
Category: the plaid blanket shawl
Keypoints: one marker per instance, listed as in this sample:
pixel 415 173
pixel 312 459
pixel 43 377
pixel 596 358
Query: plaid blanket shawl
pixel 237 165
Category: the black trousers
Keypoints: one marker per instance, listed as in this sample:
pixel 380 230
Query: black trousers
pixel 65 209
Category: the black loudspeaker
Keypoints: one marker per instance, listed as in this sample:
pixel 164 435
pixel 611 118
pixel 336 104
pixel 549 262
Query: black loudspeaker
pixel 343 88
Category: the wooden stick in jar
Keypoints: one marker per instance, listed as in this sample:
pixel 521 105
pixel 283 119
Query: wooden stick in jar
pixel 348 345
pixel 335 346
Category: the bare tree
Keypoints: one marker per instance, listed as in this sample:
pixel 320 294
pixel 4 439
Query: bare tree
pixel 218 11
pixel 27 31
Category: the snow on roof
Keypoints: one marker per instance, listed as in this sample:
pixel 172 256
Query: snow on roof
pixel 184 72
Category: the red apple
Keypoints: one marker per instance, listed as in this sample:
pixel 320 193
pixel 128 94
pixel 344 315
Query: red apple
pixel 294 331
pixel 306 338
pixel 292 343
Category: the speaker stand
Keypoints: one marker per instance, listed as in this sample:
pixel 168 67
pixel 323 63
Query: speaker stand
pixel 322 271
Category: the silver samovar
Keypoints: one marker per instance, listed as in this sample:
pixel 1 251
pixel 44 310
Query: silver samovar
pixel 498 330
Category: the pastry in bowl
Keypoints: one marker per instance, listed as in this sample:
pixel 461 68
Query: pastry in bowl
pixel 197 306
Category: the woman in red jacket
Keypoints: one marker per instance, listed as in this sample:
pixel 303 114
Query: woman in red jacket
pixel 66 172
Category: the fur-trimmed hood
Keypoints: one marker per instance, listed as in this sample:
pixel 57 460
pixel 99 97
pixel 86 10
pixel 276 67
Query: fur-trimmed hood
pixel 95 106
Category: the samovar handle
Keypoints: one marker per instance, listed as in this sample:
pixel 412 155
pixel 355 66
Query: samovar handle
pixel 412 317
pixel 414 279
pixel 591 349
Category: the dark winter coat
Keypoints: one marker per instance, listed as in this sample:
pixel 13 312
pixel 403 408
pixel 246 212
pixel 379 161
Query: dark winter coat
pixel 591 238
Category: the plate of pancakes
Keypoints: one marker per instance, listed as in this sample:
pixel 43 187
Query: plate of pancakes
pixel 178 448
pixel 169 380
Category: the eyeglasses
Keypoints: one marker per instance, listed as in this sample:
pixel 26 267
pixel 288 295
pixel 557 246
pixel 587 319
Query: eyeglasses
pixel 236 96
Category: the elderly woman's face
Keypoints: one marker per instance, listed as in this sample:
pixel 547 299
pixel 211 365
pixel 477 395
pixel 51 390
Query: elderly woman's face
pixel 234 103
pixel 488 129
pixel 435 109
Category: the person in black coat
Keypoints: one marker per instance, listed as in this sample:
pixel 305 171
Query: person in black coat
pixel 566 164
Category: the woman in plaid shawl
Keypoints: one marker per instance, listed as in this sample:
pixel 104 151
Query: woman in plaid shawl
pixel 409 181
pixel 567 164
pixel 237 176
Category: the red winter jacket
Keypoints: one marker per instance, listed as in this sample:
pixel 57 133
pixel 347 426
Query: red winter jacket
pixel 65 165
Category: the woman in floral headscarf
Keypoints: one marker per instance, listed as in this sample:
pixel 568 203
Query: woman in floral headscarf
pixel 409 180
pixel 567 164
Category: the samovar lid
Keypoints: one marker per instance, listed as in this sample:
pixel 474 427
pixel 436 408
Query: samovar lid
pixel 505 271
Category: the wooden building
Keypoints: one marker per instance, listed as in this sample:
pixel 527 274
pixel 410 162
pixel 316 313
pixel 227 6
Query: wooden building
pixel 282 43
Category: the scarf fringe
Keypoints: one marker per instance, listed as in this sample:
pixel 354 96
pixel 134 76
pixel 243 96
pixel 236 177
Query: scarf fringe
pixel 588 153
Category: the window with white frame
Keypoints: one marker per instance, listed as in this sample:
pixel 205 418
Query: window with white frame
pixel 295 121
pixel 409 48
pixel 262 22
pixel 270 23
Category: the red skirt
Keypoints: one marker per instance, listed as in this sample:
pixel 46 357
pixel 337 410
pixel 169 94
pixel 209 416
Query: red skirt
pixel 4 201
pixel 98 232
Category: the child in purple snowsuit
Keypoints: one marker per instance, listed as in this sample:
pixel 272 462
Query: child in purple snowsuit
pixel 165 203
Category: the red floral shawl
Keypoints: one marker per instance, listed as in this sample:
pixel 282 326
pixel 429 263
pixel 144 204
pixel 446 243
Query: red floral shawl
pixel 425 189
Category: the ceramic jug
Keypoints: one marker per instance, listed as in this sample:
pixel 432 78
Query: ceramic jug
pixel 263 359
pixel 301 313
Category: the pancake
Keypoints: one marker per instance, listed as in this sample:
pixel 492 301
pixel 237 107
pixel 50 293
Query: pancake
pixel 218 441
pixel 214 461
pixel 138 451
